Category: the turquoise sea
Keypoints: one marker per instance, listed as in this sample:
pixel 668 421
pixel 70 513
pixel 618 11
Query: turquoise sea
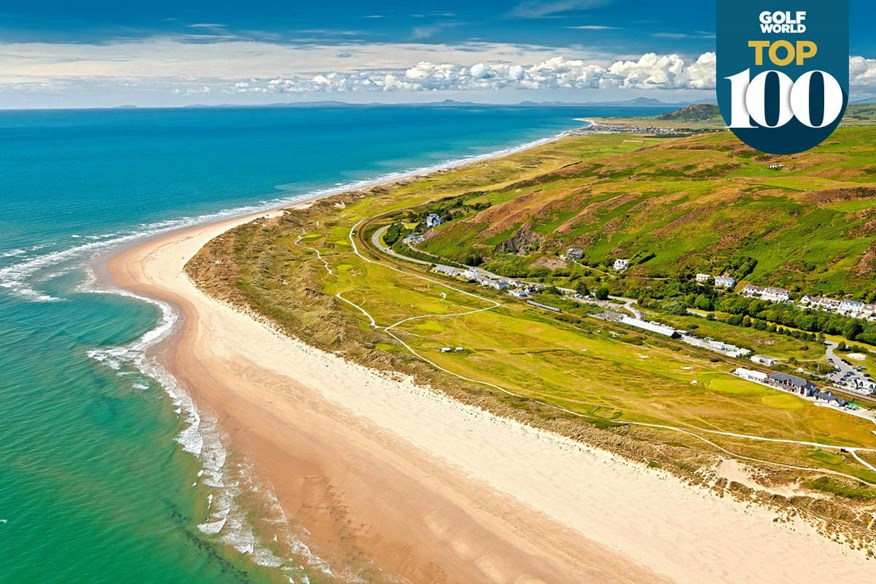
pixel 107 471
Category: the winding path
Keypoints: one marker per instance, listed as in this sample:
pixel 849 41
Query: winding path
pixel 693 432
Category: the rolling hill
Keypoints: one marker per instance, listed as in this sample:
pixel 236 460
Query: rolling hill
pixel 703 203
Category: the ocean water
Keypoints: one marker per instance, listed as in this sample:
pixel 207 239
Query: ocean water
pixel 108 473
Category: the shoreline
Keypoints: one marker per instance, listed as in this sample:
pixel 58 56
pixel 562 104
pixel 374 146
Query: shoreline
pixel 403 494
pixel 98 247
pixel 458 536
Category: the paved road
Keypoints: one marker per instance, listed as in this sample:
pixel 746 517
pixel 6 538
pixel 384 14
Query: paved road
pixel 629 304
pixel 377 240
pixel 846 373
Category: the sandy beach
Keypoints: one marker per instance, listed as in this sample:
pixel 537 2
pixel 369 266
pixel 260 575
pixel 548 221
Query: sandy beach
pixel 436 491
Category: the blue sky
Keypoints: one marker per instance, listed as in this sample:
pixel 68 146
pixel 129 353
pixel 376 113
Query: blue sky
pixel 164 52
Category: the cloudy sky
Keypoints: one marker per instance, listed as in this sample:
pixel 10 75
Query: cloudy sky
pixel 96 53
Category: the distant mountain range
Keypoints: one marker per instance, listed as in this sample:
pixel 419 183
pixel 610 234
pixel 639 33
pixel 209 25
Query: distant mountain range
pixel 637 102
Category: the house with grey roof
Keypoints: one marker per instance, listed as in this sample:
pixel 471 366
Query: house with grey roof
pixel 828 397
pixel 792 383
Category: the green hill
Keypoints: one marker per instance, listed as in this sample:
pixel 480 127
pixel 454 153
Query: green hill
pixel 704 203
pixel 702 112
pixel 861 113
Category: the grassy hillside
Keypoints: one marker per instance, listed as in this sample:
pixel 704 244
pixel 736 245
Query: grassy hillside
pixel 862 113
pixel 704 203
pixel 702 112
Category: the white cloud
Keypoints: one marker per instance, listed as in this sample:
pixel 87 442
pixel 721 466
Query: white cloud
pixel 651 71
pixel 594 27
pixel 243 70
pixel 548 8
pixel 862 72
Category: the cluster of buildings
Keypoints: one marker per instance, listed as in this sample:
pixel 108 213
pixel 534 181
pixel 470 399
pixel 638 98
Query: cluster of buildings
pixel 413 239
pixel 576 254
pixel 850 308
pixel 791 384
pixel 720 281
pixel 716 346
pixel 487 280
pixel 449 350
pixel 631 129
pixel 673 333
pixel 775 295
pixel 648 325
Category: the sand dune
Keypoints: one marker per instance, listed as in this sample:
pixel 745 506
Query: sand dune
pixel 436 491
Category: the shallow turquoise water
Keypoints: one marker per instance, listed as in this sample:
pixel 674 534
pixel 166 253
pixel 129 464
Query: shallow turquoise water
pixel 100 478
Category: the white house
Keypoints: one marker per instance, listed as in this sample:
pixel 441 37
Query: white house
pixel 621 265
pixel 769 294
pixel 751 375
pixel 654 327
pixel 725 282
pixel 776 294
pixel 471 274
pixel 433 220
pixel 851 308
pixel 829 305
pixel 703 278
pixel 448 271
pixel 762 360
pixel 494 284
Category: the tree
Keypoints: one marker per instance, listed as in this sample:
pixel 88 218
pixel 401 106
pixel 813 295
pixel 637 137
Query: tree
pixel 703 302
pixel 852 330
pixel 582 289
pixel 395 232
pixel 602 293
pixel 474 260
pixel 842 346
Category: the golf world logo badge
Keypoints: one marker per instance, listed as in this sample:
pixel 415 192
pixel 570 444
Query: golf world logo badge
pixel 783 71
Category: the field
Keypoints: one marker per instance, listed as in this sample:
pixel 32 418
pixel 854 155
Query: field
pixel 653 400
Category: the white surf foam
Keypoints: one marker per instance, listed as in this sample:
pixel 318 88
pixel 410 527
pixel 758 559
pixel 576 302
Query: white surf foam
pixel 26 277
pixel 200 434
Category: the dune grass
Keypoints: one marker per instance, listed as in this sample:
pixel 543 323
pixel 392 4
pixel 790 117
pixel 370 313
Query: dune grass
pixel 608 376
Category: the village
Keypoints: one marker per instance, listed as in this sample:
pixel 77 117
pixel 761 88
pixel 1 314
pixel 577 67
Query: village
pixel 606 128
pixel 621 311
